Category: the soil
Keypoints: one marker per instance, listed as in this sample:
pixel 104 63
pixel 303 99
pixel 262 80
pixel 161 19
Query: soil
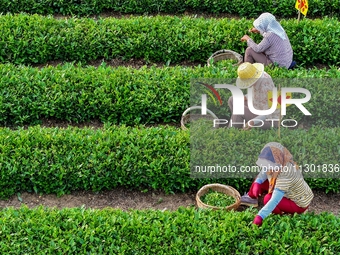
pixel 139 63
pixel 118 62
pixel 126 199
pixel 188 13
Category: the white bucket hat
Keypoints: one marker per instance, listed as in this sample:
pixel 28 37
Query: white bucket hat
pixel 248 74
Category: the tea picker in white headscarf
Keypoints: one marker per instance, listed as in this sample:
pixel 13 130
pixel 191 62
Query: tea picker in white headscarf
pixel 275 46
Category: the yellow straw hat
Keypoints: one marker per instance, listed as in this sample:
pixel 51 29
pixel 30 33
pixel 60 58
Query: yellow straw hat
pixel 248 74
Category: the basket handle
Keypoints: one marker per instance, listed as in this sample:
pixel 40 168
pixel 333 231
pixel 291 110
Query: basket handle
pixel 197 107
pixel 226 51
pixel 238 56
pixel 194 108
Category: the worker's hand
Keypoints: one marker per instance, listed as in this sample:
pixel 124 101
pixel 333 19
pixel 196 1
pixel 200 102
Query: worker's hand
pixel 249 125
pixel 254 30
pixel 257 220
pixel 245 38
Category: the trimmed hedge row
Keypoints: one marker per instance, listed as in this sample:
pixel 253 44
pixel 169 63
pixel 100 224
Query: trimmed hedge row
pixel 185 231
pixel 28 39
pixel 45 160
pixel 141 96
pixel 244 8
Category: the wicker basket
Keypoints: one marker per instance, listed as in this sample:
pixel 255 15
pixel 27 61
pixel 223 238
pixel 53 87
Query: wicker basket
pixel 187 117
pixel 225 54
pixel 192 117
pixel 219 188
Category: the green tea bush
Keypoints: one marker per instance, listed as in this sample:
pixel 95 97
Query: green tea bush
pixel 60 160
pixel 184 231
pixel 29 39
pixel 244 8
pixel 54 160
pixel 142 96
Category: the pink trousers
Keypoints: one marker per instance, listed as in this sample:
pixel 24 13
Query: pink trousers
pixel 285 206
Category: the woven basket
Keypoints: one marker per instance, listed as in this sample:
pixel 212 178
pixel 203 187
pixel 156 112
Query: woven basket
pixel 225 54
pixel 228 190
pixel 189 117
pixel 192 117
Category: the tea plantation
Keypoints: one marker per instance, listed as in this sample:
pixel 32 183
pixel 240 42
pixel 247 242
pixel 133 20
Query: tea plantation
pixel 139 147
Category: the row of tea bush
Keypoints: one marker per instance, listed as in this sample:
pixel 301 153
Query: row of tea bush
pixel 131 96
pixel 244 8
pixel 29 39
pixel 56 160
pixel 184 231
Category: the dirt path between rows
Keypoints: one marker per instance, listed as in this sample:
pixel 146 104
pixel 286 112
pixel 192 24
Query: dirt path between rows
pixel 125 199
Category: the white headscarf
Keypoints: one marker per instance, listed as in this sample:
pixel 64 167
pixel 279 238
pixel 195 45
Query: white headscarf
pixel 266 22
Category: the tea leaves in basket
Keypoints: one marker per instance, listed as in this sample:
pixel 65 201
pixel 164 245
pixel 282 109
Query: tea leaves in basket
pixel 219 199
